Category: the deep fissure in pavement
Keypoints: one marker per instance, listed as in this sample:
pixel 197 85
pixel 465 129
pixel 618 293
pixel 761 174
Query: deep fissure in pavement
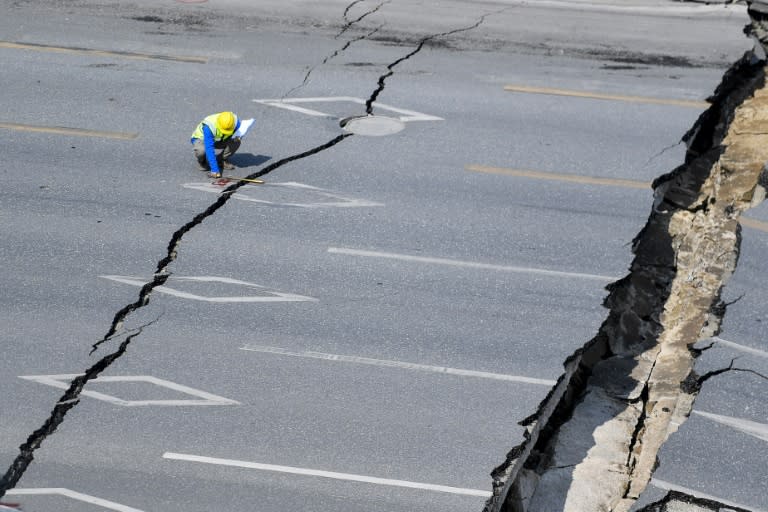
pixel 419 47
pixel 161 275
pixel 593 442
pixel 71 397
pixel 68 401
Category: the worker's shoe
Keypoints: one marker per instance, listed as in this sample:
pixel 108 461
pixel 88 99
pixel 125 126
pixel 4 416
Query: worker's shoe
pixel 214 175
pixel 227 166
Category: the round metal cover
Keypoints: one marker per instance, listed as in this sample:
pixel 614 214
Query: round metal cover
pixel 372 126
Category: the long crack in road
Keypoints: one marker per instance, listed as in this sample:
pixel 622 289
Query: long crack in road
pixel 593 442
pixel 346 45
pixel 70 398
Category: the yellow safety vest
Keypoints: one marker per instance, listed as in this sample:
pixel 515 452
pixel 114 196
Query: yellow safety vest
pixel 211 123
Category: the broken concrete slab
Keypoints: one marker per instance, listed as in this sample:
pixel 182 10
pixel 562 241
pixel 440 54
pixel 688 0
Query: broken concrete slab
pixel 596 437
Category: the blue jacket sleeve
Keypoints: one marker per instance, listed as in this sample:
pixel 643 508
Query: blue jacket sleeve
pixel 210 154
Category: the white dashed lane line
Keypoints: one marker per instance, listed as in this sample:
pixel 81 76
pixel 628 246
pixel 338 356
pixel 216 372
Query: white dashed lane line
pixel 740 348
pixel 752 428
pixel 466 264
pixel 326 474
pixel 399 364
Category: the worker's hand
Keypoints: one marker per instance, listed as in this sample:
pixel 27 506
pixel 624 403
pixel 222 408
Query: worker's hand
pixel 214 175
pixel 237 139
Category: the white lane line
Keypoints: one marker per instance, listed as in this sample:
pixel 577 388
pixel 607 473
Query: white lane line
pixel 752 428
pixel 661 484
pixel 398 364
pixel 468 264
pixel 326 474
pixel 742 348
pixel 61 491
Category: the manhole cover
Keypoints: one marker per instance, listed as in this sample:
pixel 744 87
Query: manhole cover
pixel 374 126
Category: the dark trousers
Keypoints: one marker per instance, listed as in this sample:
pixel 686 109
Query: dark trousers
pixel 223 149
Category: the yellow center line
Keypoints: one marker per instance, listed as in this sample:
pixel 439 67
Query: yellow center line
pixel 63 130
pixel 601 96
pixel 101 53
pixel 572 178
pixel 524 173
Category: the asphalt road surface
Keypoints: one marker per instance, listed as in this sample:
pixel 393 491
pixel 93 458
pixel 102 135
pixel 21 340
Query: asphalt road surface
pixel 365 330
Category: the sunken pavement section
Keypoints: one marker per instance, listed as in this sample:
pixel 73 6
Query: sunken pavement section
pixel 592 444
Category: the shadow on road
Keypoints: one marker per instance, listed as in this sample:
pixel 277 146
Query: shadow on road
pixel 248 159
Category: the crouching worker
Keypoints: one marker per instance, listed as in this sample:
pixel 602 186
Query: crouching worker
pixel 213 143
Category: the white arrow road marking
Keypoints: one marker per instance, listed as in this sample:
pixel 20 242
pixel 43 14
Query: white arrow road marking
pixel 288 104
pixel 273 296
pixel 335 200
pixel 62 382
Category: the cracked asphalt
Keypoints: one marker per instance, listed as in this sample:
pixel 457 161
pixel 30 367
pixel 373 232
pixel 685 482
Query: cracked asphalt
pixel 75 209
